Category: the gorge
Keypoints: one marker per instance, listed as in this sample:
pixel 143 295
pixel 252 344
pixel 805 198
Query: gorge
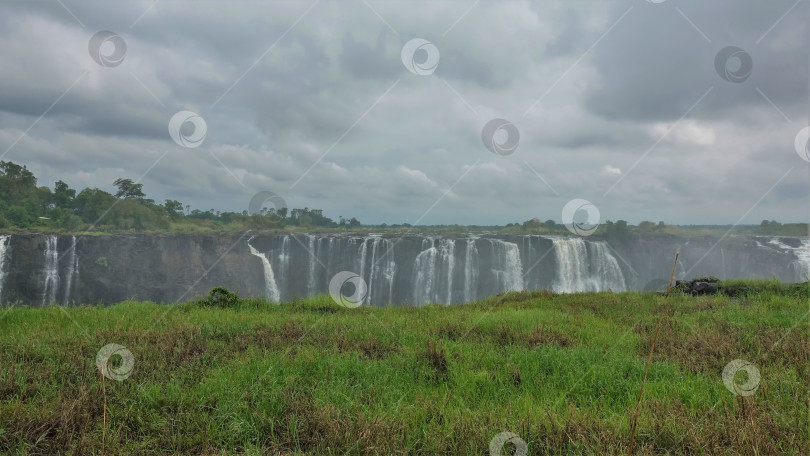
pixel 40 269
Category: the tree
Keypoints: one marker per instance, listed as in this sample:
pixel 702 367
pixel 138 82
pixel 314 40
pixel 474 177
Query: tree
pixel 174 208
pixel 63 195
pixel 128 189
pixel 353 222
pixel 646 226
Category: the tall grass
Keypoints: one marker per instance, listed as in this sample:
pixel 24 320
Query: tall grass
pixel 309 377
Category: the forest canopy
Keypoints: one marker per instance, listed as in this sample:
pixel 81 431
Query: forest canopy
pixel 23 205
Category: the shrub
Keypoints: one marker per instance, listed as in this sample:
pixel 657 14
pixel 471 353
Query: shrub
pixel 221 297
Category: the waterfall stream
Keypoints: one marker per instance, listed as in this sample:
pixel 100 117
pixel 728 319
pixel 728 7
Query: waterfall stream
pixel 72 271
pixel 585 266
pixel 270 286
pixel 5 240
pixel 409 269
pixel 51 271
pixel 470 270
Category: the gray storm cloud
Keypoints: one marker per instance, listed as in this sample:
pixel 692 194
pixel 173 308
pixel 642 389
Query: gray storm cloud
pixel 616 102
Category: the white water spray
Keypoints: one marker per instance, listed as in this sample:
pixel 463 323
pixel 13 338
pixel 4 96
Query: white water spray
pixel 270 287
pixel 51 271
pixel 72 271
pixel 5 240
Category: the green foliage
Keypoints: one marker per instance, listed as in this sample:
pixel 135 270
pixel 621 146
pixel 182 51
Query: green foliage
pixel 220 297
pixel 311 377
pixel 23 205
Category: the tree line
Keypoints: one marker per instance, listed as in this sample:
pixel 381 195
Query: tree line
pixel 24 205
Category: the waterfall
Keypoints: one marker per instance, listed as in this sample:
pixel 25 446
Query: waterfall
pixel 447 253
pixel 362 266
pixel 72 271
pixel 604 268
pixel 431 266
pixel 284 258
pixel 390 269
pixel 374 267
pixel 507 267
pixel 51 271
pixel 270 287
pixel 313 258
pixel 585 266
pixel 801 265
pixel 424 267
pixel 470 270
pixel 5 240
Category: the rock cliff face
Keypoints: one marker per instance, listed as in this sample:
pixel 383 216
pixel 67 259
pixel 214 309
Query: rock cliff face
pixel 37 269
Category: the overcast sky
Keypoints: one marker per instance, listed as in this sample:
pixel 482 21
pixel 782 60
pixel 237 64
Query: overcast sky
pixel 616 102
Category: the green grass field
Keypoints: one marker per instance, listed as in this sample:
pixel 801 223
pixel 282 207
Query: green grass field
pixel 563 372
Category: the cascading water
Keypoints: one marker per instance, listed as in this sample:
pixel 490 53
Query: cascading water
pixel 390 269
pixel 585 266
pixel 470 269
pixel 72 271
pixel 507 267
pixel 313 259
pixel 270 286
pixel 410 268
pixel 5 240
pixel 605 270
pixel 801 265
pixel 424 267
pixel 51 271
pixel 434 268
pixel 447 255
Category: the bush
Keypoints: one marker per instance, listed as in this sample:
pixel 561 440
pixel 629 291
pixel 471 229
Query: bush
pixel 221 297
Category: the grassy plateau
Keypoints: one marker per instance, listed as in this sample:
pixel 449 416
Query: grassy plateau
pixel 562 372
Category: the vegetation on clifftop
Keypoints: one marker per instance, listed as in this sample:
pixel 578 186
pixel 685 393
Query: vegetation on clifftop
pixel 25 206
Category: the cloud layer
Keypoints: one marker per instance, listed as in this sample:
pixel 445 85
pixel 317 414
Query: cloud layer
pixel 616 102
